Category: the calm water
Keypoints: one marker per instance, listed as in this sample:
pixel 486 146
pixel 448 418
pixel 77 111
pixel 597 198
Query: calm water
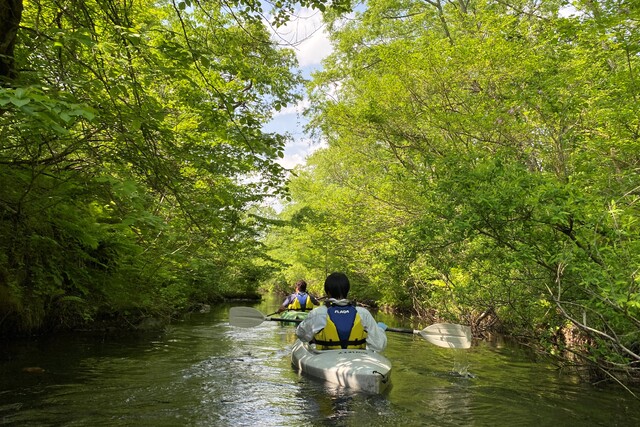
pixel 203 372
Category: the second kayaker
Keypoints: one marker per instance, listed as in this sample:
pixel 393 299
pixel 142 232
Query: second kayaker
pixel 300 300
pixel 339 323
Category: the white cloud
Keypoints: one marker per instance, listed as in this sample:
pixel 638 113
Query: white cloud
pixel 568 11
pixel 293 109
pixel 292 160
pixel 297 151
pixel 305 34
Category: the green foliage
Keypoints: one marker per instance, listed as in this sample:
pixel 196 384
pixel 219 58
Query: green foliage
pixel 482 158
pixel 131 151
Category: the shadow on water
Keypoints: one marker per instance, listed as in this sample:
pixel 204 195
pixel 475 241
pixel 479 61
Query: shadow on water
pixel 203 372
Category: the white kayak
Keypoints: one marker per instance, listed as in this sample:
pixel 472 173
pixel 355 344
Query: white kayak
pixel 363 370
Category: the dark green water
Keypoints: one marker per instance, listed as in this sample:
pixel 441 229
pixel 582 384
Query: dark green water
pixel 203 372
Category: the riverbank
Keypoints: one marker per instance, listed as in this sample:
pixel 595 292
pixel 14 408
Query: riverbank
pixel 115 322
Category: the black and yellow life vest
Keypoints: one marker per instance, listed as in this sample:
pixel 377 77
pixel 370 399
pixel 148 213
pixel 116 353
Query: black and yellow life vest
pixel 343 330
pixel 302 301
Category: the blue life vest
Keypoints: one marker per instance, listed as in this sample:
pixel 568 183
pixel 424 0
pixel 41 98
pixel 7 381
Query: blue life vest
pixel 343 329
pixel 301 302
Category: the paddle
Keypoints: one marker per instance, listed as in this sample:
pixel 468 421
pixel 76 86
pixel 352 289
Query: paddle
pixel 447 335
pixel 248 317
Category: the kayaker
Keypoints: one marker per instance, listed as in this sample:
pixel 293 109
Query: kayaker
pixel 339 323
pixel 300 300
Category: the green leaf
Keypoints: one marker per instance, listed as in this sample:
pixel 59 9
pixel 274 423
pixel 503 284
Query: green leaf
pixel 19 102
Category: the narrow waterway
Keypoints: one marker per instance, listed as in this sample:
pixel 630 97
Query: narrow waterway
pixel 203 372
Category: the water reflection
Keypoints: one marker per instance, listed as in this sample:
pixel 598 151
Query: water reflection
pixel 204 372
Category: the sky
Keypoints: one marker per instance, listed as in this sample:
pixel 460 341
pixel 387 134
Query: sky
pixel 306 36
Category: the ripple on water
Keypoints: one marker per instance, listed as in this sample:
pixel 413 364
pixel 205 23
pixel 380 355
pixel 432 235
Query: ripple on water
pixel 204 372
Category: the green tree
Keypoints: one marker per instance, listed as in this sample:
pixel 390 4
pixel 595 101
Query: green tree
pixel 131 151
pixel 495 148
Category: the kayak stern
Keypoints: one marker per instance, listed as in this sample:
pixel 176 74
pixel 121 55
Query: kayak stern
pixel 362 370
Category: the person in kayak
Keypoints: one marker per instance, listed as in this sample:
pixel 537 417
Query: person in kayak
pixel 339 323
pixel 300 300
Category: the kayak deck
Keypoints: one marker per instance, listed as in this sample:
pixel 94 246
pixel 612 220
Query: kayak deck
pixel 363 370
pixel 293 315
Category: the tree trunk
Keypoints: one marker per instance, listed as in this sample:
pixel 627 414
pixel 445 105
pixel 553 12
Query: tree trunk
pixel 10 16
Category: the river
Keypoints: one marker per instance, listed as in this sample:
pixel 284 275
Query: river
pixel 203 372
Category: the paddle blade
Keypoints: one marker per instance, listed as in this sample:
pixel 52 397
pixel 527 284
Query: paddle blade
pixel 245 317
pixel 447 335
